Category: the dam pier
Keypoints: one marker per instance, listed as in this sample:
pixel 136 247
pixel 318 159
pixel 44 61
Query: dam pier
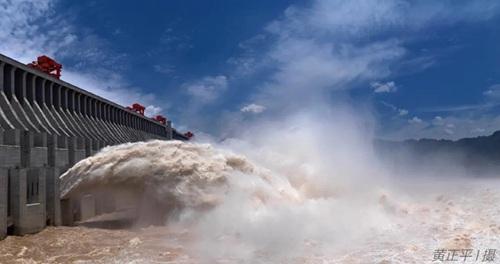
pixel 46 126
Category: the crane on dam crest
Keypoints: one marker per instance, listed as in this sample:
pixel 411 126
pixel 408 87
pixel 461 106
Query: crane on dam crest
pixel 46 126
pixel 47 65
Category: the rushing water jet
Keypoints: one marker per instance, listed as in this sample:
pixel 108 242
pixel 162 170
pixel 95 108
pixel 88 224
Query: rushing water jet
pixel 157 179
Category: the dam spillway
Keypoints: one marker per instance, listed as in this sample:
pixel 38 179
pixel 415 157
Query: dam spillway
pixel 46 126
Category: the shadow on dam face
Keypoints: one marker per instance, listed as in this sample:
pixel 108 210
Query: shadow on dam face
pixel 115 209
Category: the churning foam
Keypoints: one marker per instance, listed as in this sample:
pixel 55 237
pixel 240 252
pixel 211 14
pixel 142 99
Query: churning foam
pixel 310 191
pixel 181 175
pixel 225 200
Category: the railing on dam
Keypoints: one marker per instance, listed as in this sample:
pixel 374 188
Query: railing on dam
pixel 46 126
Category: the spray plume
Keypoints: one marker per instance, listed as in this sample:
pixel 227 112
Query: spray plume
pixel 309 187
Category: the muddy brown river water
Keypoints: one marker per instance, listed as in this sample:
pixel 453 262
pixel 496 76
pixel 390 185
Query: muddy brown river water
pixel 93 245
pixel 449 221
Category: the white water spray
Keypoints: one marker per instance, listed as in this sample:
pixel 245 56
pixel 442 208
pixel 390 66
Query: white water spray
pixel 300 189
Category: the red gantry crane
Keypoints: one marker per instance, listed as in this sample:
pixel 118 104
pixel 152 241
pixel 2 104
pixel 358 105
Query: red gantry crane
pixel 161 119
pixel 47 65
pixel 138 108
pixel 189 135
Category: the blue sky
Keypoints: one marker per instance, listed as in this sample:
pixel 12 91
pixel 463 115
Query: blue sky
pixel 423 68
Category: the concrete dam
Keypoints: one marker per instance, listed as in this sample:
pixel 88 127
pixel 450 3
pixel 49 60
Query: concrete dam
pixel 46 126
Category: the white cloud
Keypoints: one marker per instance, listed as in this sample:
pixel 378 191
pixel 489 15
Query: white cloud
pixel 208 89
pixel 306 68
pixel 387 87
pixel 321 46
pixel 244 65
pixel 478 130
pixel 493 92
pixel 415 120
pixel 113 87
pixel 164 68
pixel 253 108
pixel 31 28
pixel 491 100
pixel 463 108
pixel 449 131
pixel 403 112
pixel 438 121
pixel 152 110
pixel 399 111
pixel 26 33
pixel 372 17
pixel 448 127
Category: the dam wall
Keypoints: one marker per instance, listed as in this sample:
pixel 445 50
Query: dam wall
pixel 46 126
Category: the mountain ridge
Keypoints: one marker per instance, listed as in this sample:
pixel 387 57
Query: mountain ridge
pixel 475 153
